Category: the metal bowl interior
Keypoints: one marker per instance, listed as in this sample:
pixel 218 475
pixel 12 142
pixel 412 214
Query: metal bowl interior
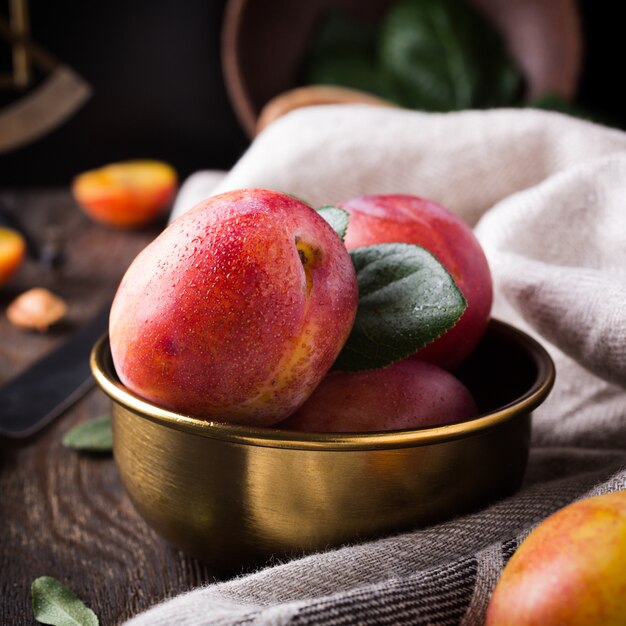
pixel 235 495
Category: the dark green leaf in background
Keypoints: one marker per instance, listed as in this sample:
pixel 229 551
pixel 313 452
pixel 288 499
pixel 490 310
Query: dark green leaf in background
pixel 441 55
pixel 554 102
pixel 344 53
pixel 298 198
pixel 92 436
pixel 407 299
pixel 337 218
pixel 54 603
pixel 430 55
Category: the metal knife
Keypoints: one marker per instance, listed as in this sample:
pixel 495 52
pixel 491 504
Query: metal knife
pixel 53 384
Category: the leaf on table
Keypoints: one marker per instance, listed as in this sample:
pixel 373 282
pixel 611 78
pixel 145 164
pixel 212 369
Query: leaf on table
pixel 54 603
pixel 92 436
pixel 407 299
pixel 337 218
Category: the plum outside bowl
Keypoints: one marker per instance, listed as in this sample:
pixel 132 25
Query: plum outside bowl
pixel 235 495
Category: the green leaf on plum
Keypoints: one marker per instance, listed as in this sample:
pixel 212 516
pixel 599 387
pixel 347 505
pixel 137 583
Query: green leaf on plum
pixel 54 603
pixel 92 436
pixel 337 218
pixel 407 299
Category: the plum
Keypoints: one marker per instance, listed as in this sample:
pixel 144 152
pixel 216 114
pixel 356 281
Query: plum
pixel 406 394
pixel 237 310
pixel 569 570
pixel 410 219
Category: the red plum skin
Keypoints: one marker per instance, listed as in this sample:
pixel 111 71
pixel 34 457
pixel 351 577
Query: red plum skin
pixel 407 394
pixel 410 219
pixel 569 570
pixel 236 311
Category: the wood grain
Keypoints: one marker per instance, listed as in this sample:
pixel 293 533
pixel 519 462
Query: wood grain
pixel 62 513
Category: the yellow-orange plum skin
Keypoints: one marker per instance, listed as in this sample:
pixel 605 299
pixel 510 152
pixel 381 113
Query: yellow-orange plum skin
pixel 410 219
pixel 406 394
pixel 236 311
pixel 129 194
pixel 570 570
pixel 12 252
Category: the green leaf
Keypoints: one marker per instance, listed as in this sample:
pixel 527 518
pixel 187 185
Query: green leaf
pixel 442 55
pixel 92 436
pixel 337 218
pixel 344 53
pixel 407 299
pixel 432 55
pixel 54 603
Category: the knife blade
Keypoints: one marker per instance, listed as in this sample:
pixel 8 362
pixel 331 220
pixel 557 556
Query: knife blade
pixel 53 384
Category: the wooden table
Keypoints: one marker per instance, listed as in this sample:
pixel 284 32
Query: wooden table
pixel 65 514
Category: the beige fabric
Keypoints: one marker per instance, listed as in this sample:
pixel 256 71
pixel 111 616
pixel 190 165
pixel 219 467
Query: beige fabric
pixel 547 194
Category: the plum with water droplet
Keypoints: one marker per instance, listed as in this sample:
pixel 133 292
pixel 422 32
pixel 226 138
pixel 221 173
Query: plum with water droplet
pixel 402 218
pixel 244 324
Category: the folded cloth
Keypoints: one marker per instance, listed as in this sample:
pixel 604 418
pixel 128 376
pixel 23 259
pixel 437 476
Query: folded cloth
pixel 546 195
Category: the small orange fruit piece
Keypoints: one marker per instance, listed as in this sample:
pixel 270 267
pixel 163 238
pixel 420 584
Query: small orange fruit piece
pixel 128 194
pixel 12 251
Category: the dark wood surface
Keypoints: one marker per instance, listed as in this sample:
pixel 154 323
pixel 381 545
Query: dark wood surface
pixel 65 514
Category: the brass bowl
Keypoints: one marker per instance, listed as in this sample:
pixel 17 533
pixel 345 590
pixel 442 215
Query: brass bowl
pixel 235 495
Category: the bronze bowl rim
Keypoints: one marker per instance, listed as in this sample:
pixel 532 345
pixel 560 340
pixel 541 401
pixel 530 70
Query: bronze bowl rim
pixel 104 373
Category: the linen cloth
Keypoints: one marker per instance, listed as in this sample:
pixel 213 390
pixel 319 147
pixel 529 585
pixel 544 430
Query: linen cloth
pixel 547 196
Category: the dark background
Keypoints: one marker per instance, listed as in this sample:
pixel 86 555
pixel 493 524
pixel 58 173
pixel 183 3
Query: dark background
pixel 158 90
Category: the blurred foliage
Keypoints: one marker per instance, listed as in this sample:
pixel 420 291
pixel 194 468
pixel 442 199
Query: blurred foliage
pixel 554 102
pixel 430 55
pixel 441 55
